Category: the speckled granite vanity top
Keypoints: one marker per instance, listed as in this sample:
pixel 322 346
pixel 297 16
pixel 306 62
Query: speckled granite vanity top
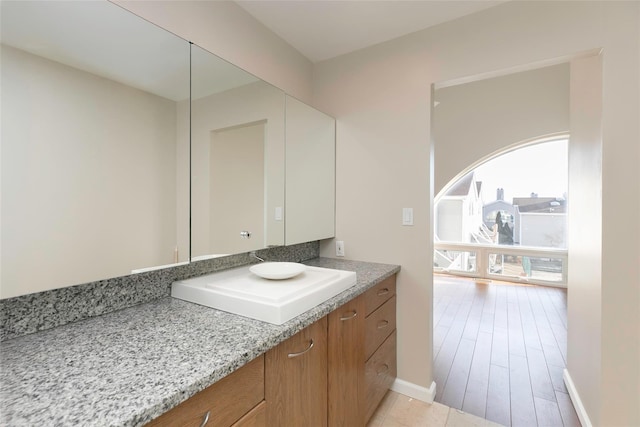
pixel 128 367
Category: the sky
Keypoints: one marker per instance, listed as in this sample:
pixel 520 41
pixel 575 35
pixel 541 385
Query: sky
pixel 540 168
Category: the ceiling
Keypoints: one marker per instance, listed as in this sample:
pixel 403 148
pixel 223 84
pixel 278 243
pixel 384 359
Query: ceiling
pixel 108 41
pixel 323 29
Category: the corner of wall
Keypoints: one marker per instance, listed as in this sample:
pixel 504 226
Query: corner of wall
pixel 575 399
pixel 415 391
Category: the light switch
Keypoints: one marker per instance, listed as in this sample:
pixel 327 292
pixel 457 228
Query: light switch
pixel 278 215
pixel 407 216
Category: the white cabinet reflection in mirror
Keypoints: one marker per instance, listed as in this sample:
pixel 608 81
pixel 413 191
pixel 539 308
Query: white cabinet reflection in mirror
pixel 310 173
pixel 237 155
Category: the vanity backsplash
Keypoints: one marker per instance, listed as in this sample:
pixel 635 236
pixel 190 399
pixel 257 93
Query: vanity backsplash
pixel 31 313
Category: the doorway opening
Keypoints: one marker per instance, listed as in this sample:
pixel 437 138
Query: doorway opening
pixel 505 217
pixel 500 342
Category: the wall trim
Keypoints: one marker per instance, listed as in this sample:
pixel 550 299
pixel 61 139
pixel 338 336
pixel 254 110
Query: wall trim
pixel 575 399
pixel 415 391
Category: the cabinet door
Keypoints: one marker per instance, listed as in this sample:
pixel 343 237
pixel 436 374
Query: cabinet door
pixel 346 364
pixel 222 403
pixel 296 379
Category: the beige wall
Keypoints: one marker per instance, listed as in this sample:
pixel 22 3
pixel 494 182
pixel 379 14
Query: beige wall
pixel 585 192
pixel 82 184
pixel 380 97
pixel 479 118
pixel 227 30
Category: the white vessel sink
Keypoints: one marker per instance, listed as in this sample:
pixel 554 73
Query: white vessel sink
pixel 241 292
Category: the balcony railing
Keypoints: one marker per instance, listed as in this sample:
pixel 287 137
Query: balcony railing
pixel 544 266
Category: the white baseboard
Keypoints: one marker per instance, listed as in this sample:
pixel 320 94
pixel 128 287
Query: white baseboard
pixel 575 399
pixel 415 391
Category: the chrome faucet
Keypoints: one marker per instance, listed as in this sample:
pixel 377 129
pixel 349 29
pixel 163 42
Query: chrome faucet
pixel 253 254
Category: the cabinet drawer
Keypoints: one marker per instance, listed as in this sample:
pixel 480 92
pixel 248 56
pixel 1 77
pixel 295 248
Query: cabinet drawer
pixel 380 372
pixel 226 401
pixel 379 294
pixel 256 418
pixel 379 325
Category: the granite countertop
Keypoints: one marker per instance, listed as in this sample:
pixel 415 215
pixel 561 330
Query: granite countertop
pixel 130 366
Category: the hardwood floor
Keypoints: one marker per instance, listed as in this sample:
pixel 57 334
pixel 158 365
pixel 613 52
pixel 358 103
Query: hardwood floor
pixel 499 351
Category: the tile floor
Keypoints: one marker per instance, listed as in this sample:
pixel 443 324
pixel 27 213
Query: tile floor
pixel 398 410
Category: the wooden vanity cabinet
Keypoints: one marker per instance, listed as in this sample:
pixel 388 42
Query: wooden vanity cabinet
pixel 362 354
pixel 346 358
pixel 333 373
pixel 296 379
pixel 226 403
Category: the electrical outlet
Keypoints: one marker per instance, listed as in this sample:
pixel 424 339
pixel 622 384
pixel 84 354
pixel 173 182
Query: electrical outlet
pixel 339 248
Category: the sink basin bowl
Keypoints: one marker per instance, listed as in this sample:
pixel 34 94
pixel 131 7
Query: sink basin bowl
pixel 241 292
pixel 277 270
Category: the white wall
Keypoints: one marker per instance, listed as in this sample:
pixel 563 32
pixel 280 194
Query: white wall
pixel 449 220
pixel 227 30
pixel 548 230
pixel 479 118
pixel 82 184
pixel 381 99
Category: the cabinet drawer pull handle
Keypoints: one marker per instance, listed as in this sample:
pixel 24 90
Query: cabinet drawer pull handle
pixel 384 369
pixel 355 313
pixel 292 355
pixel 206 419
pixel 383 324
pixel 383 292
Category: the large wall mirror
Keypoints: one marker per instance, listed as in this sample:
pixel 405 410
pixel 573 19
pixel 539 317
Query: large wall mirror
pixel 310 169
pixel 117 135
pixel 91 132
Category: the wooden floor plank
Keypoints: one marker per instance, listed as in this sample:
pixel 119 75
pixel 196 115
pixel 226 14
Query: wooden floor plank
pixel 473 319
pixel 523 411
pixel 516 336
pixel 553 355
pixel 500 350
pixel 547 412
pixel 541 384
pixel 555 372
pixel 475 397
pixel 558 298
pixel 456 385
pixel 529 328
pixel 498 402
pixel 439 334
pixel 501 319
pixel 443 362
pixel 500 347
pixel 567 411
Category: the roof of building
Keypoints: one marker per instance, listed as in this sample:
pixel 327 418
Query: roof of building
pixel 540 204
pixel 462 186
